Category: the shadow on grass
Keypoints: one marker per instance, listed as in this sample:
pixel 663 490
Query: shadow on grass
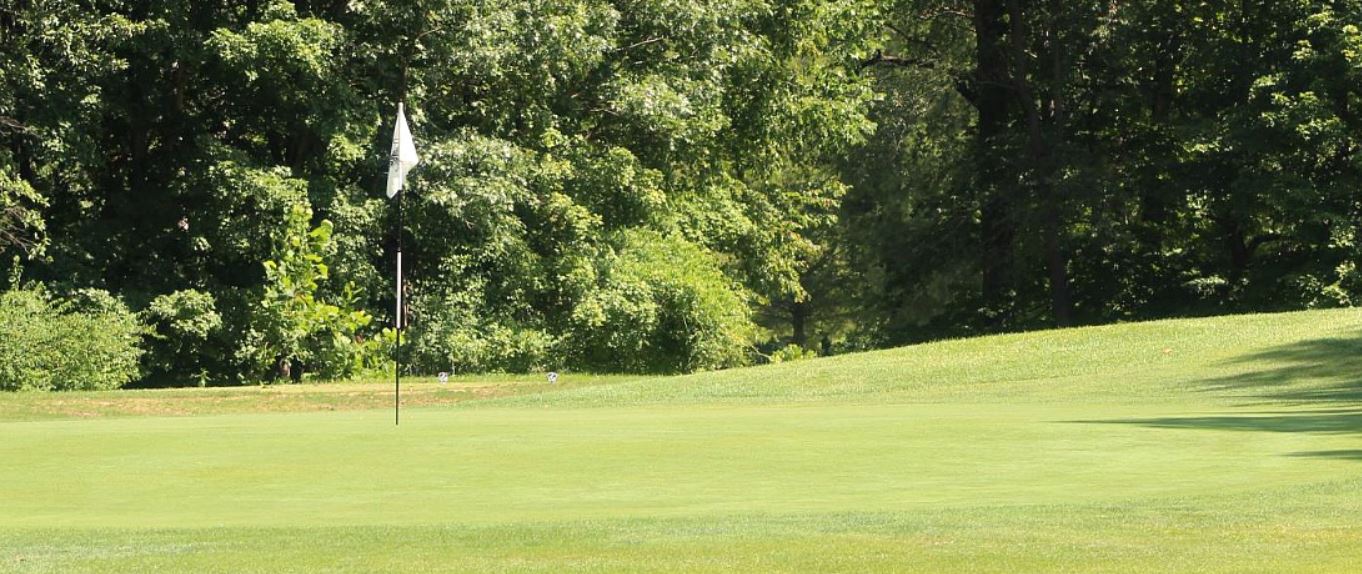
pixel 1338 454
pixel 1316 371
pixel 1320 422
pixel 1337 422
pixel 1324 372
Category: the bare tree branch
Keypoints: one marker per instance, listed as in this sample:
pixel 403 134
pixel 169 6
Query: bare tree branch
pixel 13 124
pixel 638 44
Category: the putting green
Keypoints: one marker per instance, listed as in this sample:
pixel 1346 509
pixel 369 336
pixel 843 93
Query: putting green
pixel 508 465
pixel 1214 445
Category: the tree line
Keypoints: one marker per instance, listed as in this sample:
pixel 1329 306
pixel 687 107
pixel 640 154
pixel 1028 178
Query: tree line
pixel 1057 163
pixel 659 186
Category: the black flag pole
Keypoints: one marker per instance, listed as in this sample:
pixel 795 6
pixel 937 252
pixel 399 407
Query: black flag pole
pixel 397 349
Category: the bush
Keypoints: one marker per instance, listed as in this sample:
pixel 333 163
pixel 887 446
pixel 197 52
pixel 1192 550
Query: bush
pixel 336 350
pixel 791 352
pixel 651 304
pixel 181 326
pixel 295 325
pixel 448 335
pixel 88 342
pixel 665 306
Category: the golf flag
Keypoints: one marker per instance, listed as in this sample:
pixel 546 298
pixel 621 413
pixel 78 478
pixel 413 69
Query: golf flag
pixel 403 156
pixel 400 161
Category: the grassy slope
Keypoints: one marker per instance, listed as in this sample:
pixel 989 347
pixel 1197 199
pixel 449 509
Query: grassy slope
pixel 1225 444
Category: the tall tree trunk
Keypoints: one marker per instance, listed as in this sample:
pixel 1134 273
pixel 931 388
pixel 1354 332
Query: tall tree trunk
pixel 1236 243
pixel 799 321
pixel 1061 292
pixel 996 219
pixel 1061 297
pixel 1154 193
pixel 22 159
pixel 1043 170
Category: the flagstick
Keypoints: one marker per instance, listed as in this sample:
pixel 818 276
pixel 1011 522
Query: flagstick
pixel 397 350
pixel 403 158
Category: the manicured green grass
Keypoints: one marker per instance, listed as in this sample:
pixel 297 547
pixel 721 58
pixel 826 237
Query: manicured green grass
pixel 1215 445
pixel 369 393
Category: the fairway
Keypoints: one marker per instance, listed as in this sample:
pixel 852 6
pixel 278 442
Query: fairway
pixel 1228 444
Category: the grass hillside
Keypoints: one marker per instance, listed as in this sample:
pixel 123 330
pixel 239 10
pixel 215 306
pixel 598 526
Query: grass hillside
pixel 1295 356
pixel 1220 445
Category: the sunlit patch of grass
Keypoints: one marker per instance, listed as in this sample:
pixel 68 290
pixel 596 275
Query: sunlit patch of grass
pixel 1211 445
pixel 368 393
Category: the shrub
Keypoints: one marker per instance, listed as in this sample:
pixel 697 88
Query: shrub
pixel 294 325
pixel 448 335
pixel 792 352
pixel 651 304
pixel 664 306
pixel 88 342
pixel 335 350
pixel 178 341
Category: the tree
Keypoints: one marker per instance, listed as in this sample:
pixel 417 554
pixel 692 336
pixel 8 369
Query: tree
pixel 294 326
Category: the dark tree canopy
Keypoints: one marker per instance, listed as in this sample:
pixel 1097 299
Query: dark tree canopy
pixel 649 185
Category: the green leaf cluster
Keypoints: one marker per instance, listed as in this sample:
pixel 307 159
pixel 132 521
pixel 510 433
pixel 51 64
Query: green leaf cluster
pixel 88 341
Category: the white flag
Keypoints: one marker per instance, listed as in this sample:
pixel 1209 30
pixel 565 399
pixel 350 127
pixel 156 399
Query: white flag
pixel 403 156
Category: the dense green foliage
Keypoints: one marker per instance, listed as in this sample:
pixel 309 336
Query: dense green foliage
pixel 1075 162
pixel 87 342
pixel 181 327
pixel 652 185
pixel 604 184
pixel 292 325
